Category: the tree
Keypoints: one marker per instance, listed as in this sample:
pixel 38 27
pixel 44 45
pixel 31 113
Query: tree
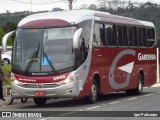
pixel 9 27
pixel 92 7
pixel 70 3
pixel 2 33
pixel 84 7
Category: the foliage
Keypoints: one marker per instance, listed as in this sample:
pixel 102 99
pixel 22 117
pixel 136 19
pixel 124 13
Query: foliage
pixel 143 11
pixel 6 71
pixel 2 33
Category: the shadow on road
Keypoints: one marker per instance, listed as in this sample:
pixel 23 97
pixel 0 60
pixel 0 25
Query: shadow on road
pixel 71 103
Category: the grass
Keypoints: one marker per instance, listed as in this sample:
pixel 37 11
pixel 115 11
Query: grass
pixel 6 72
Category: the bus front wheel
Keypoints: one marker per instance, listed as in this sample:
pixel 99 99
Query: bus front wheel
pixel 40 101
pixel 93 97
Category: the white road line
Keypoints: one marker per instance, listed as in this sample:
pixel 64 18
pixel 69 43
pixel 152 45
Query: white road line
pixel 114 102
pixel 103 104
pixel 93 107
pixel 148 95
pixel 132 98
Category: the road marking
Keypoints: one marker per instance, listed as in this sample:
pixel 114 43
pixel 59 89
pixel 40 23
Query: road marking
pixel 148 95
pixel 132 98
pixel 93 107
pixel 114 102
pixel 103 104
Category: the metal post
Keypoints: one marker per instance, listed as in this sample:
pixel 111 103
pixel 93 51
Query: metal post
pixel 158 65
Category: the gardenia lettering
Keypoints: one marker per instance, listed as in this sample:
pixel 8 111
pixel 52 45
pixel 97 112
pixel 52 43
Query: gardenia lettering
pixel 146 56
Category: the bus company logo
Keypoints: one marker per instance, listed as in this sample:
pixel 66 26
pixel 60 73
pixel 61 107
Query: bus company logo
pixel 146 56
pixel 127 68
pixel 40 85
pixel 27 80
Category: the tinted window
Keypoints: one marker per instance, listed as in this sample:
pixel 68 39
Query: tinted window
pixel 98 35
pixel 120 35
pixel 125 36
pixel 108 34
pixel 150 37
pixel 140 38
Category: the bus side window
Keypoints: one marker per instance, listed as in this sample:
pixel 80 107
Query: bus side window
pixel 130 36
pixel 114 35
pixel 140 38
pixel 125 36
pixel 108 34
pixel 135 39
pixel 120 35
pixel 150 37
pixel 102 35
pixel 144 35
pixel 98 35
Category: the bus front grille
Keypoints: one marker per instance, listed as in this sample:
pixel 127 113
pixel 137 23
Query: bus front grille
pixel 40 85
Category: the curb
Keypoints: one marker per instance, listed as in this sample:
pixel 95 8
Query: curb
pixel 6 93
pixel 156 85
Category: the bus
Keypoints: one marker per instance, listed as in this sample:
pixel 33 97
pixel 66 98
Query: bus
pixel 81 54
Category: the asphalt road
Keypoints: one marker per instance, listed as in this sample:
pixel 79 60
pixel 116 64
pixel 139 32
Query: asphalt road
pixel 148 101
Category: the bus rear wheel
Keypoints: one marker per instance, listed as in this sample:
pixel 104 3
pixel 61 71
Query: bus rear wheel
pixel 94 90
pixel 40 101
pixel 139 89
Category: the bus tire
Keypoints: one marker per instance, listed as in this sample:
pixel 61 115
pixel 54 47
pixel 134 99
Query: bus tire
pixel 139 89
pixel 40 101
pixel 94 91
pixel 24 100
pixel 10 100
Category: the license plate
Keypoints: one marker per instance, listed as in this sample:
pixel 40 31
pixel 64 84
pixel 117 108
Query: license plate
pixel 40 93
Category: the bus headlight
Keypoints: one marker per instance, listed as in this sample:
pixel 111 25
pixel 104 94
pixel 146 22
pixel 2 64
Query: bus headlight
pixel 15 81
pixel 69 79
pixel 66 81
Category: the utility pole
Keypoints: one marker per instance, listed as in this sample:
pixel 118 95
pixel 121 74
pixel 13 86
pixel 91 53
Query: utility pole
pixel 70 4
pixel 31 6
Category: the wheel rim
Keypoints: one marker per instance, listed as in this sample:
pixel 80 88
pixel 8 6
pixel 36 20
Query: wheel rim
pixel 94 92
pixel 140 86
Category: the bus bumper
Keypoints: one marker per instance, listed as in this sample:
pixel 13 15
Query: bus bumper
pixel 69 90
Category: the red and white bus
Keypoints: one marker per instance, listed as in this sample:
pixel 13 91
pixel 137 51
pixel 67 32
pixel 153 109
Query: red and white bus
pixel 81 53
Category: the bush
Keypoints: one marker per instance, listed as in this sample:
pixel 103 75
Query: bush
pixel 6 72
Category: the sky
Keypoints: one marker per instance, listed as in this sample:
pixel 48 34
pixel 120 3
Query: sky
pixel 41 5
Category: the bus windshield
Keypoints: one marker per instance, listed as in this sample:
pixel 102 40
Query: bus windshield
pixel 43 50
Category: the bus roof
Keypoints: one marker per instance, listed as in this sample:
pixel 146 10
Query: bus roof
pixel 76 16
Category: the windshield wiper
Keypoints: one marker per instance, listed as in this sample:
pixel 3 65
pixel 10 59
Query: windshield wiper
pixel 34 56
pixel 47 58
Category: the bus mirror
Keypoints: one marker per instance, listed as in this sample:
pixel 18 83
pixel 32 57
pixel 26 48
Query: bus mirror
pixel 4 40
pixel 76 38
